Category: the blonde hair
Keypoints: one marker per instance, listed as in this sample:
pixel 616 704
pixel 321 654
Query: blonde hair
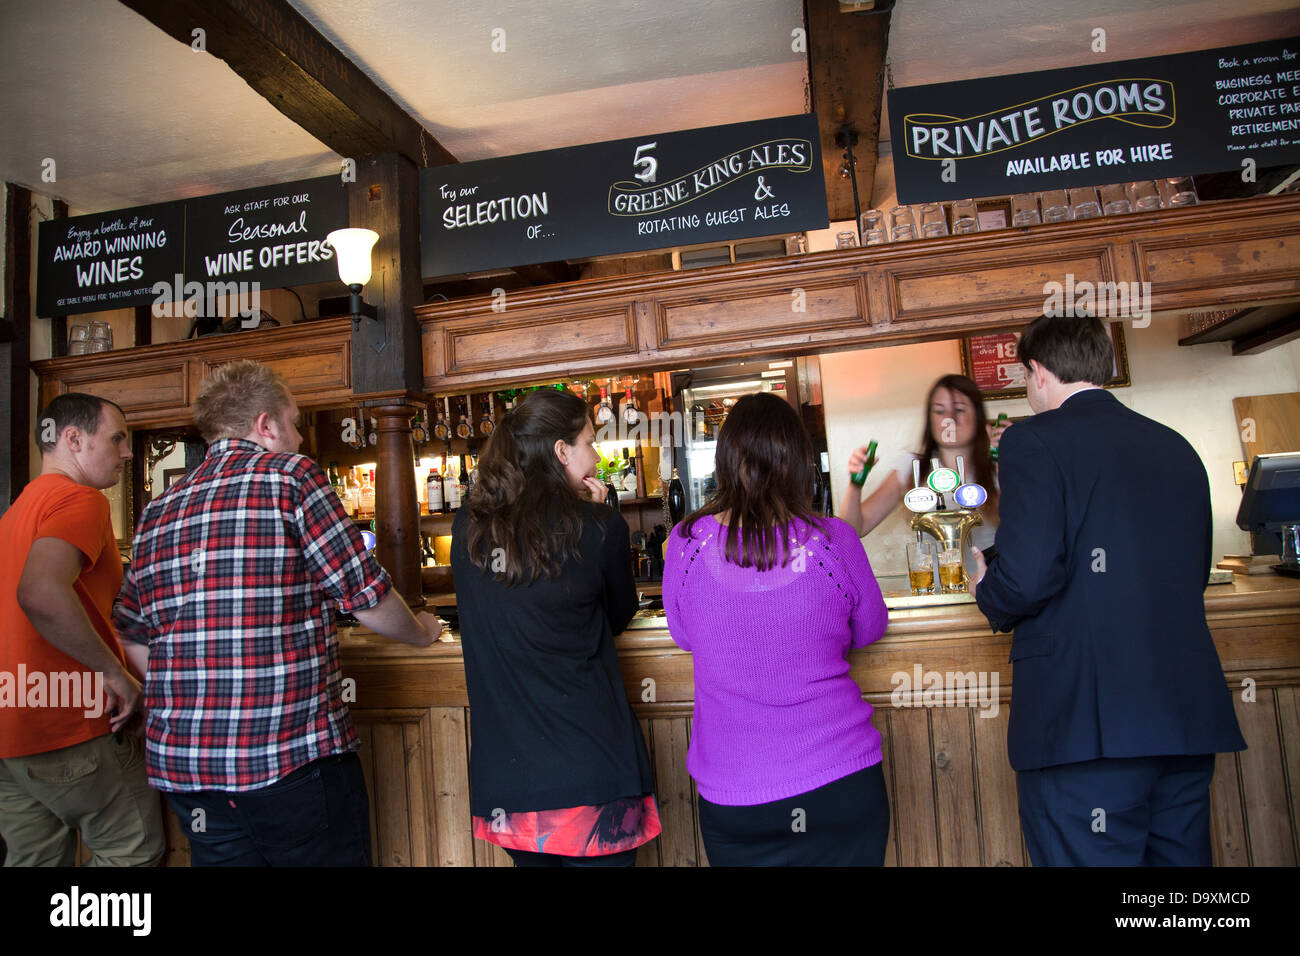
pixel 234 395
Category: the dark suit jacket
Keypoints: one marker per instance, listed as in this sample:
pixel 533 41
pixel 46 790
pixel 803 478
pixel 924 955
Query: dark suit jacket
pixel 1104 549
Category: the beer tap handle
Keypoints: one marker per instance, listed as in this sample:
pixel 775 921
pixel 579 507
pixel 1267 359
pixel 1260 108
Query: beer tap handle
pixel 916 473
pixel 961 470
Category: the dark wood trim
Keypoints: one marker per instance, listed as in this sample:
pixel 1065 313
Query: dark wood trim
pixel 386 198
pixel 15 355
pixel 1279 333
pixel 59 323
pixel 277 52
pixel 143 325
pixel 846 74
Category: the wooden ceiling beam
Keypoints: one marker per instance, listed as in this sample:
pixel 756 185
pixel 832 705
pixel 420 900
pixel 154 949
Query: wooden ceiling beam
pixel 277 52
pixel 846 73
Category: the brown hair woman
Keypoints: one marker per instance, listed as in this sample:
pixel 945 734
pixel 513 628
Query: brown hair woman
pixel 559 774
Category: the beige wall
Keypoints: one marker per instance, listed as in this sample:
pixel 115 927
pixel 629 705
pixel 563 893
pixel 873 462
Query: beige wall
pixel 878 393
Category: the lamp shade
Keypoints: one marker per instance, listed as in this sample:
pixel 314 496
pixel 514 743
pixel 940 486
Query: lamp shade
pixel 353 248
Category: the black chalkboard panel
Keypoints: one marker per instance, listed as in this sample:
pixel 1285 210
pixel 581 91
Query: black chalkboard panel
pixel 1177 115
pixel 274 235
pixel 650 192
pixel 108 260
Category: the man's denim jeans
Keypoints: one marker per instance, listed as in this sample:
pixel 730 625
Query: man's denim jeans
pixel 319 815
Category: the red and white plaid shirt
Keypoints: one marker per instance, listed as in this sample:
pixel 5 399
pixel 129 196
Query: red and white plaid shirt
pixel 233 574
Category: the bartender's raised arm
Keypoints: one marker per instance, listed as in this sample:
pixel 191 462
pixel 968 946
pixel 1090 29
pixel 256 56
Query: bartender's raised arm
pixel 864 514
pixel 1031 563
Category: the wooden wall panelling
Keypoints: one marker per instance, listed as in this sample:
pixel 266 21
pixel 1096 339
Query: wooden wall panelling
pixel 648 853
pixel 367 754
pixel 449 785
pixel 1227 824
pixel 1268 821
pixel 914 786
pixel 392 812
pixel 725 316
pixel 880 720
pixel 1226 263
pixel 1009 288
pixel 1287 700
pixel 996 797
pixel 953 758
pixel 673 789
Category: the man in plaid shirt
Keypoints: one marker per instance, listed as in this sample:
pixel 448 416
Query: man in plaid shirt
pixel 234 572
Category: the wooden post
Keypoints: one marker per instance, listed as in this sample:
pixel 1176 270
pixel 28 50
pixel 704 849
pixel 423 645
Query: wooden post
pixel 15 355
pixel 397 508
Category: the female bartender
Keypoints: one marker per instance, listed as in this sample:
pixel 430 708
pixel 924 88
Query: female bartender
pixel 955 425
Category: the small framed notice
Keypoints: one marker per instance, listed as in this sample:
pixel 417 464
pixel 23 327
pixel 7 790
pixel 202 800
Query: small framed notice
pixel 992 362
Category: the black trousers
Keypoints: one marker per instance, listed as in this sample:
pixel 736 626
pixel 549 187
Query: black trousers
pixel 1118 811
pixel 844 823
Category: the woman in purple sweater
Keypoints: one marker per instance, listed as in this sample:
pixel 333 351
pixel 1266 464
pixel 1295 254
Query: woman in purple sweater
pixel 769 597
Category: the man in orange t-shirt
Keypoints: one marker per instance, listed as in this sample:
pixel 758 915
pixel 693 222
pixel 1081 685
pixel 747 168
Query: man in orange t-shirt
pixel 66 696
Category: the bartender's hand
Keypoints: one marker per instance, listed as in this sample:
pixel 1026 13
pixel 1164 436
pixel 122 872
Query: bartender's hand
pixel 595 488
pixel 980 569
pixel 995 434
pixel 857 459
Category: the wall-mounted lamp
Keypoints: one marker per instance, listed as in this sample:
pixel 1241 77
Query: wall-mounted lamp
pixel 352 247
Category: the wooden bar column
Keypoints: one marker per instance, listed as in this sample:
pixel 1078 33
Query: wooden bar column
pixel 397 508
pixel 386 354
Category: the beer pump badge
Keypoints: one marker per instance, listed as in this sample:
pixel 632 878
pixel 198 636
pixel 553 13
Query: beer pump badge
pixel 921 499
pixel 943 480
pixel 971 495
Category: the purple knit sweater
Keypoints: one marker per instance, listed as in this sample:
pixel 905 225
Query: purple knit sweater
pixel 776 712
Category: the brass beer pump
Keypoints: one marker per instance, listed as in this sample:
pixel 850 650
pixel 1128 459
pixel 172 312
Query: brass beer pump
pixel 951 528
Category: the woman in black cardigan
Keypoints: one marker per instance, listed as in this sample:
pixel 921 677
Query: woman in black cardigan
pixel 559 774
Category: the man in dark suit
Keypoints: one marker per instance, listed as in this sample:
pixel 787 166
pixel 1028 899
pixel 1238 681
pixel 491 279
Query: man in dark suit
pixel 1119 702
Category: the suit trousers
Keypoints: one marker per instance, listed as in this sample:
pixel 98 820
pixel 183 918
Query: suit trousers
pixel 1118 811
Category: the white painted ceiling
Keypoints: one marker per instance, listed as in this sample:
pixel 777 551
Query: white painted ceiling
pixel 132 116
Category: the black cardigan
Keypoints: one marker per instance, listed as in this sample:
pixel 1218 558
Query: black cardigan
pixel 550 722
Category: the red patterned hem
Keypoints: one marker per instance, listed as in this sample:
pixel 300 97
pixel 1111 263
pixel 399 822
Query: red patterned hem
pixel 599 830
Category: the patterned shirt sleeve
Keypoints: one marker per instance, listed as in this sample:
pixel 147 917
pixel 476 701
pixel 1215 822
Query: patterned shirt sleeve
pixel 127 618
pixel 332 547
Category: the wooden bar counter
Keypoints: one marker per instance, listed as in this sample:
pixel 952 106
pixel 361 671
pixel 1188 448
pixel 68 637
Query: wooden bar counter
pixel 952 792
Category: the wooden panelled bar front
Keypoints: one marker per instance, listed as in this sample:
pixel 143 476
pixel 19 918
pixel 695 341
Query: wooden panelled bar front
pixel 952 792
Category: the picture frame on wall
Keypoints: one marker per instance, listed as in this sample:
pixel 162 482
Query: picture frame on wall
pixel 992 362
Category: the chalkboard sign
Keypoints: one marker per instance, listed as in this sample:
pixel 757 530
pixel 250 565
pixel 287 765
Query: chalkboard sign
pixel 271 235
pixel 672 189
pixel 108 260
pixel 274 235
pixel 1176 115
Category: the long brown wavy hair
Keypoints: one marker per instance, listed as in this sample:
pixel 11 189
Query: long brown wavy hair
pixel 763 467
pixel 522 502
pixel 979 467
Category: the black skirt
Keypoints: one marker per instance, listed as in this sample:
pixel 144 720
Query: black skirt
pixel 844 823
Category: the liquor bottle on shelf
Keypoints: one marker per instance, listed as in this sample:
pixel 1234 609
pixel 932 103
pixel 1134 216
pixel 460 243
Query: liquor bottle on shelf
pixel 368 493
pixel 441 429
pixel 629 408
pixel 335 481
pixel 463 428
pixel 433 490
pixel 427 550
pixel 450 485
pixel 347 493
pixel 629 472
pixel 464 481
pixel 604 411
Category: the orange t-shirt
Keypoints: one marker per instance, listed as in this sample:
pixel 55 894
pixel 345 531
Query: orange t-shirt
pixel 44 693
